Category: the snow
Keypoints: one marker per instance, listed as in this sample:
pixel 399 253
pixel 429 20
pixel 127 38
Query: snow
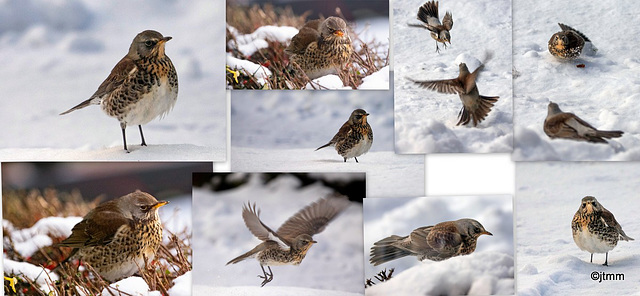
pixel 258 291
pixel 181 285
pixel 547 197
pixel 333 264
pixel 378 80
pixel 281 130
pixel 29 240
pixel 248 44
pixel 426 120
pixel 55 54
pixel 603 93
pixel 260 72
pixel 489 269
pixel 41 276
pixel 133 285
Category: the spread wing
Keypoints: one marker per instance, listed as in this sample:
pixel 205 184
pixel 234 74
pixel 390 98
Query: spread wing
pixel 259 229
pixel 313 218
pixel 448 86
pixel 447 21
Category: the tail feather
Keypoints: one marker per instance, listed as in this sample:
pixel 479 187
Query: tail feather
pixel 88 102
pixel 242 257
pixel 325 145
pixel 609 134
pixel 384 250
pixel 429 9
pixel 567 28
pixel 479 114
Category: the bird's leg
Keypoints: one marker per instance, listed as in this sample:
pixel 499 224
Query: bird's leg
pixel 606 260
pixel 267 277
pixel 124 139
pixel 591 258
pixel 345 159
pixel 355 159
pixel 437 48
pixel 142 136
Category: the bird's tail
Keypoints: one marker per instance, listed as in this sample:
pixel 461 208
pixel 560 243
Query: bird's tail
pixel 609 134
pixel 246 255
pixel 384 250
pixel 90 101
pixel 624 236
pixel 325 145
pixel 427 10
pixel 479 114
pixel 567 28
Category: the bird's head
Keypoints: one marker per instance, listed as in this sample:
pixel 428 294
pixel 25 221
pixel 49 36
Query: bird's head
pixel 303 242
pixel 358 116
pixel 334 28
pixel 445 36
pixel 471 228
pixel 140 206
pixel 148 43
pixel 553 108
pixel 590 205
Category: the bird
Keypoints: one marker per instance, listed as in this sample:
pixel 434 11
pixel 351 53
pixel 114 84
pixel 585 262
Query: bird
pixel 595 229
pixel 475 107
pixel 321 47
pixel 142 86
pixel 354 138
pixel 291 242
pixel 428 14
pixel 568 43
pixel 119 236
pixel 438 242
pixel 566 125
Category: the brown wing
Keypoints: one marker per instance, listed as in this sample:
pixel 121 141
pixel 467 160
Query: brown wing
pixel 259 229
pixel 445 239
pixel 118 75
pixel 300 41
pixel 313 218
pixel 418 238
pixel 97 228
pixel 447 21
pixel 448 86
pixel 555 124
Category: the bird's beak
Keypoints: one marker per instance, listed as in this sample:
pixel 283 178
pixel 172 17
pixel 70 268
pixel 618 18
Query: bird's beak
pixel 165 39
pixel 487 233
pixel 339 33
pixel 314 242
pixel 159 204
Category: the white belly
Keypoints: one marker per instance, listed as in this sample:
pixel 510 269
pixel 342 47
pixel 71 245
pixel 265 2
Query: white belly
pixel 156 103
pixel 591 243
pixel 361 148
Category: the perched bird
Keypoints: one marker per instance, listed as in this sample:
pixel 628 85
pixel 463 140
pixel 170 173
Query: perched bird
pixel 428 14
pixel 568 43
pixel 141 87
pixel 118 236
pixel 474 106
pixel 354 137
pixel 321 48
pixel 439 242
pixel 565 125
pixel 595 229
pixel 290 243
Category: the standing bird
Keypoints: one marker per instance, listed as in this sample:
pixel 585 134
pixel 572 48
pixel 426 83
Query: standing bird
pixel 439 242
pixel 354 137
pixel 595 229
pixel 474 106
pixel 321 48
pixel 568 43
pixel 290 243
pixel 141 87
pixel 565 125
pixel 428 14
pixel 118 236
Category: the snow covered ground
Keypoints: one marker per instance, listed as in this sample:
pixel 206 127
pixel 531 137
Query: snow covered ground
pixel 175 217
pixel 604 93
pixel 489 270
pixel 426 120
pixel 55 54
pixel 280 130
pixel 368 29
pixel 333 266
pixel 547 197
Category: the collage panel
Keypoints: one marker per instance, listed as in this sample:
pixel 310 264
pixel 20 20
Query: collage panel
pixel 311 45
pixel 115 55
pixel 439 245
pixel 286 131
pixel 575 228
pixel 316 248
pixel 453 76
pixel 91 228
pixel 574 81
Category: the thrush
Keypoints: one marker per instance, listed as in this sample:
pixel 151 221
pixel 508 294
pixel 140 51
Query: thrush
pixel 428 14
pixel 595 229
pixel 291 242
pixel 142 86
pixel 568 43
pixel 475 107
pixel 321 48
pixel 118 236
pixel 566 125
pixel 354 137
pixel 439 242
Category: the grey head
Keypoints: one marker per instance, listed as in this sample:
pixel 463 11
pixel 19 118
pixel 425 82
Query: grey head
pixel 590 205
pixel 334 27
pixel 553 108
pixel 471 227
pixel 139 206
pixel 445 36
pixel 147 44
pixel 303 242
pixel 358 116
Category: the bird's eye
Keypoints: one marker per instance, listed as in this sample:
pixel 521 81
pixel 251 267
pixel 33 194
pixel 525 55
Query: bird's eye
pixel 358 116
pixel 331 31
pixel 149 43
pixel 144 208
pixel 584 205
